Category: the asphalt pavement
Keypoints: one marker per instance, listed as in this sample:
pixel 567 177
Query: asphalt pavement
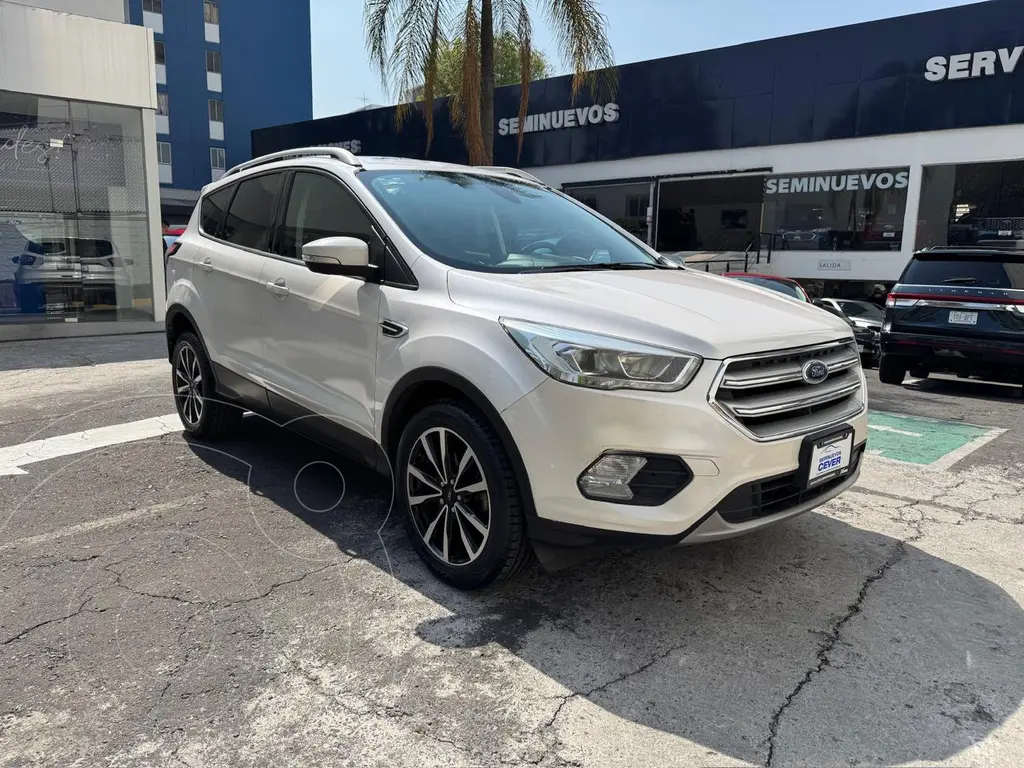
pixel 250 603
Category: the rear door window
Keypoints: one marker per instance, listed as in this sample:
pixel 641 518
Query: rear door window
pixel 251 215
pixel 211 213
pixel 966 272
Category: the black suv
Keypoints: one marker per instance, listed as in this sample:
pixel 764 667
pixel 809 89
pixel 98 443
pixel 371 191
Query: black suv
pixel 956 310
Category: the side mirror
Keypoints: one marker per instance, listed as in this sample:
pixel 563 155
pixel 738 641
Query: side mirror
pixel 348 256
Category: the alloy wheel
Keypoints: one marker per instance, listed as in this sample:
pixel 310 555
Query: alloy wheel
pixel 188 385
pixel 448 496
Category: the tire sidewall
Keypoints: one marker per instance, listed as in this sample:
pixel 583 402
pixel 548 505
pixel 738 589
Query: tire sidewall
pixel 486 567
pixel 192 341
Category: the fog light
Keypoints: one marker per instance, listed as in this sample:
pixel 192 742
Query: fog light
pixel 609 477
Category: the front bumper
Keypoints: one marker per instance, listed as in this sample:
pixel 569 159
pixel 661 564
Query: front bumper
pixel 561 429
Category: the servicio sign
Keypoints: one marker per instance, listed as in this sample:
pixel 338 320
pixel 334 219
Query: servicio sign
pixel 961 66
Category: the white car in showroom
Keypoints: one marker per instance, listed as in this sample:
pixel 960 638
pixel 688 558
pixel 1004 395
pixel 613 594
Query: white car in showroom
pixel 528 396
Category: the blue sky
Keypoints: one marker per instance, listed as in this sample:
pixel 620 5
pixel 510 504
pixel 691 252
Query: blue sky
pixel 639 30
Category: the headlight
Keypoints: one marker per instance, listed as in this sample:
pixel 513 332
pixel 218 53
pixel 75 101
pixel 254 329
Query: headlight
pixel 602 362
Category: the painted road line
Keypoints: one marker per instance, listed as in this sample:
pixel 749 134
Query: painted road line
pixel 105 522
pixel 14 457
pixel 918 440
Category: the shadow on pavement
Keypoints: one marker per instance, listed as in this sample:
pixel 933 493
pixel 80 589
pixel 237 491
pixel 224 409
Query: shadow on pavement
pixel 711 643
pixel 74 352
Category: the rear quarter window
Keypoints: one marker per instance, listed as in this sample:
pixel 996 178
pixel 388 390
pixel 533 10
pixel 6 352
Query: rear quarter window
pixel 211 212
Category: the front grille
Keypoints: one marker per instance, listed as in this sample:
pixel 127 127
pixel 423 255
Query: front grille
pixel 777 494
pixel 766 395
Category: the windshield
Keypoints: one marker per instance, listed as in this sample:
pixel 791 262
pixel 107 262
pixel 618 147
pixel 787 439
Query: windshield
pixel 499 225
pixel 791 290
pixel 864 310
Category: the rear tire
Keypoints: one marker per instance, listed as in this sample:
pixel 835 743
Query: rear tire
pixel 460 498
pixel 195 396
pixel 892 370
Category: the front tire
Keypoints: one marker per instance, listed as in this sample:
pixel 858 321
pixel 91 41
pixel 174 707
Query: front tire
pixel 462 503
pixel 891 370
pixel 195 396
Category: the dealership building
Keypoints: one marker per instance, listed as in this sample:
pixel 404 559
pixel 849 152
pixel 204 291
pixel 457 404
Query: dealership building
pixel 828 156
pixel 80 246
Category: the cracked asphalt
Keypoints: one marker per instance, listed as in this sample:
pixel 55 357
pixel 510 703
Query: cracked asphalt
pixel 166 603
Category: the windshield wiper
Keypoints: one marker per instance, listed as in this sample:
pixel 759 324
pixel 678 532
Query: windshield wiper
pixel 961 280
pixel 624 265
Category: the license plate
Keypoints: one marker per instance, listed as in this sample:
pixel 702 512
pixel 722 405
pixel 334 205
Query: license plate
pixel 828 457
pixel 1005 232
pixel 963 318
pixel 860 348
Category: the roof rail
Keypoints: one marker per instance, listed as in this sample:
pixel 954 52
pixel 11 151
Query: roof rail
pixel 289 154
pixel 511 172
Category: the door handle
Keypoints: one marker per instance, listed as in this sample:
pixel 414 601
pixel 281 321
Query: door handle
pixel 208 265
pixel 278 288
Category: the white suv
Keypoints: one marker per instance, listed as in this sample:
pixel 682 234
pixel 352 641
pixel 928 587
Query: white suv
pixel 534 378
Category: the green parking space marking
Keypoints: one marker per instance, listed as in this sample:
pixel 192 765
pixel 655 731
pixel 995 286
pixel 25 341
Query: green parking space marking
pixel 918 440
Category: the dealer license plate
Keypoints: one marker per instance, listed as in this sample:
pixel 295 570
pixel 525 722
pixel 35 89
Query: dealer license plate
pixel 963 318
pixel 829 458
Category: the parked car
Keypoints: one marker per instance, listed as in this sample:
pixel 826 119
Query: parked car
pixel 865 317
pixel 524 400
pixel 959 311
pixel 59 267
pixel 784 285
pixel 867 339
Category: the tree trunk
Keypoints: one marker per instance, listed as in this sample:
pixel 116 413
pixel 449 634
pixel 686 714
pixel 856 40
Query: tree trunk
pixel 487 80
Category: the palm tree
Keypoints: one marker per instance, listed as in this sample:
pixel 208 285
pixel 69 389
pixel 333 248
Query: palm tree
pixel 405 39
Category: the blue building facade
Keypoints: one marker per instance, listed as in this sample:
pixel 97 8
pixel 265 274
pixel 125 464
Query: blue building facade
pixel 224 69
pixel 831 155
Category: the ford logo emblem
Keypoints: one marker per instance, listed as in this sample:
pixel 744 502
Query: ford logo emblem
pixel 814 372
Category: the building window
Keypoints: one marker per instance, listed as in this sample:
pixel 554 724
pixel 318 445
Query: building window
pixel 211 12
pixel 163 152
pixel 216 110
pixel 162 107
pixel 213 62
pixel 153 6
pixel 718 213
pixel 161 54
pixel 74 214
pixel 218 160
pixel 857 210
pixel 625 204
pixel 977 204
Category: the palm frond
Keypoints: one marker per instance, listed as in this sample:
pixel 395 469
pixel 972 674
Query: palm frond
pixel 524 36
pixel 434 45
pixel 465 104
pixel 581 33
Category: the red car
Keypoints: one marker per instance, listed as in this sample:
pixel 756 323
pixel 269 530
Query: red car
pixel 783 285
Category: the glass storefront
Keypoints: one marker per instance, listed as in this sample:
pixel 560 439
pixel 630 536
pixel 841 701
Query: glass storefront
pixel 978 204
pixel 625 204
pixel 856 210
pixel 74 221
pixel 709 214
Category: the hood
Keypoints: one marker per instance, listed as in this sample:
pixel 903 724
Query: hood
pixel 874 325
pixel 711 316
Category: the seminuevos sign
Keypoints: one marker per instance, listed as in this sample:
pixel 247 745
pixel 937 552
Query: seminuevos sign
pixel 839 182
pixel 961 66
pixel 575 117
